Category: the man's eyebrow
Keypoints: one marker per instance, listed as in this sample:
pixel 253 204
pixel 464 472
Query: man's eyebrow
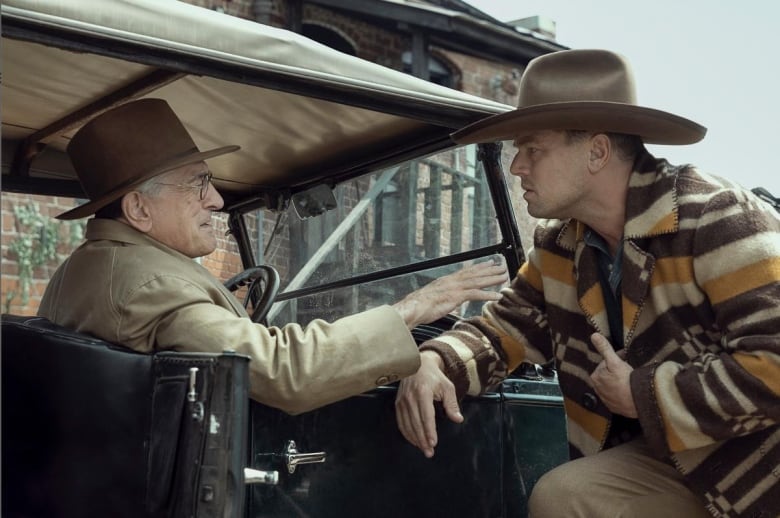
pixel 525 139
pixel 199 175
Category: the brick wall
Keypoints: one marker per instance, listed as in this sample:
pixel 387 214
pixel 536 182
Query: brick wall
pixel 371 43
pixel 14 298
pixel 240 8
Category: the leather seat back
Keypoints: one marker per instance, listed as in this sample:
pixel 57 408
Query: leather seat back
pixel 94 429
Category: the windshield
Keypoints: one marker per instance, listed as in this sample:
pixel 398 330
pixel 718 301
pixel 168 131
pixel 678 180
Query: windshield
pixel 426 209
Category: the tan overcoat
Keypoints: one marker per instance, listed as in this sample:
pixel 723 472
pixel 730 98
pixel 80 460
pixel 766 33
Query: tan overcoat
pixel 126 288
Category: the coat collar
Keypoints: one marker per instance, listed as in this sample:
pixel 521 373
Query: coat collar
pixel 651 204
pixel 112 230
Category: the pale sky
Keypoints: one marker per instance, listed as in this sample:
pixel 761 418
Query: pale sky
pixel 713 61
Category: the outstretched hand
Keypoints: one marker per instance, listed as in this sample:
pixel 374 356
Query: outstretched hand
pixel 611 379
pixel 442 296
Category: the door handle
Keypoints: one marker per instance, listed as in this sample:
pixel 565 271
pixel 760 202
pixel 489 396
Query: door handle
pixel 256 476
pixel 293 458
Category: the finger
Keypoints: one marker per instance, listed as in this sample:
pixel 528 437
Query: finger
pixel 480 276
pixel 427 442
pixel 428 436
pixel 487 269
pixel 451 407
pixel 401 415
pixel 484 268
pixel 410 424
pixel 475 282
pixel 403 424
pixel 604 348
pixel 476 294
pixel 422 422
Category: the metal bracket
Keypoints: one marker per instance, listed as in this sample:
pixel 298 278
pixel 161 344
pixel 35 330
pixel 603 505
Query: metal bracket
pixel 293 458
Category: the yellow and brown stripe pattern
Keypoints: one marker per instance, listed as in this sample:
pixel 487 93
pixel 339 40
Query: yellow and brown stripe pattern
pixel 701 327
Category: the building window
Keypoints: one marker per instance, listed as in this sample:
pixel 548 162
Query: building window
pixel 328 37
pixel 438 72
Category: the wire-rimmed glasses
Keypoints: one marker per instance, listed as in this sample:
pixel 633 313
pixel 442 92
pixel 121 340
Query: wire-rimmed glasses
pixel 203 188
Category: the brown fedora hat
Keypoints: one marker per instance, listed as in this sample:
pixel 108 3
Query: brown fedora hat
pixel 581 89
pixel 123 147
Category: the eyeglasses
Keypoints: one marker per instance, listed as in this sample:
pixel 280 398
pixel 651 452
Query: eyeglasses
pixel 203 187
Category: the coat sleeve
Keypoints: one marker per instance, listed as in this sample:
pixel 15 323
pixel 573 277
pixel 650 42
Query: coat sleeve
pixel 293 368
pixel 480 352
pixel 732 387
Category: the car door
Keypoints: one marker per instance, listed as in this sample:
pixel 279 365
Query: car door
pixel 391 231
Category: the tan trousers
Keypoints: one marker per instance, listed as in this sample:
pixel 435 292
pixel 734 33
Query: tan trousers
pixel 622 482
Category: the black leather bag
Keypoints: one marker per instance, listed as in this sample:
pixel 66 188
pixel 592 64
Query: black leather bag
pixel 91 429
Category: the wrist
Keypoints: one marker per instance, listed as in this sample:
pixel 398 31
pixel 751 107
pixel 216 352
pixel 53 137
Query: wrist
pixel 407 309
pixel 429 356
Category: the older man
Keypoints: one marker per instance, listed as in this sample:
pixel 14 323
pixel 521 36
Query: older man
pixel 654 288
pixel 149 187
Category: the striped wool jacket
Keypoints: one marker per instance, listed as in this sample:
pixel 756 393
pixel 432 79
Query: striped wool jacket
pixel 701 327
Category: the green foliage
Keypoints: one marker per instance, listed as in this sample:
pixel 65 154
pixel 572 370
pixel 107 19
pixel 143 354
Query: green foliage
pixel 36 244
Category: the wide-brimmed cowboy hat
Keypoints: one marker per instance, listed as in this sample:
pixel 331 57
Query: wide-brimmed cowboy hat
pixel 125 146
pixel 581 89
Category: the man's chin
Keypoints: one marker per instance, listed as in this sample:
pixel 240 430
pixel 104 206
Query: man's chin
pixel 206 248
pixel 535 212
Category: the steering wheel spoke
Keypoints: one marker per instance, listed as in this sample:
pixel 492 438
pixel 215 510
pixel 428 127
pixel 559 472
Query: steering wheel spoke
pixel 263 282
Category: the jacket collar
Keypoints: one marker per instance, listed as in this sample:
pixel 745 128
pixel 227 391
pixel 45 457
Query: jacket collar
pixel 651 204
pixel 112 230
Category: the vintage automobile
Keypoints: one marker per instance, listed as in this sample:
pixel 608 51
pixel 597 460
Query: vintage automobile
pixel 348 185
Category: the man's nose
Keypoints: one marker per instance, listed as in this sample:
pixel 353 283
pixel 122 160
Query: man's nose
pixel 519 166
pixel 213 199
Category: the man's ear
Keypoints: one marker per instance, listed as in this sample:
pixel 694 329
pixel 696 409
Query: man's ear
pixel 600 152
pixel 136 211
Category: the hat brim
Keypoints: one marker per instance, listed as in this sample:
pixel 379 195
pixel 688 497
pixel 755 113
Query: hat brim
pixel 653 126
pixel 89 208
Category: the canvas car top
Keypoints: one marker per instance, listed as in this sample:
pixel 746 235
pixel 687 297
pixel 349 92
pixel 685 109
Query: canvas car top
pixel 302 113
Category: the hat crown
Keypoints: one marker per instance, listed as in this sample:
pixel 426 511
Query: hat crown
pixel 581 89
pixel 124 145
pixel 577 76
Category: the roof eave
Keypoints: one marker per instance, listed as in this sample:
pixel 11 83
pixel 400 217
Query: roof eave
pixel 451 29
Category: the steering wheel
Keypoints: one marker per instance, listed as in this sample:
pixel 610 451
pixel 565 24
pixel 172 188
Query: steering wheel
pixel 263 281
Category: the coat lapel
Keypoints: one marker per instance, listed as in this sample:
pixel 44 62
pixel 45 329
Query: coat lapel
pixel 638 268
pixel 585 270
pixel 651 210
pixel 590 296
